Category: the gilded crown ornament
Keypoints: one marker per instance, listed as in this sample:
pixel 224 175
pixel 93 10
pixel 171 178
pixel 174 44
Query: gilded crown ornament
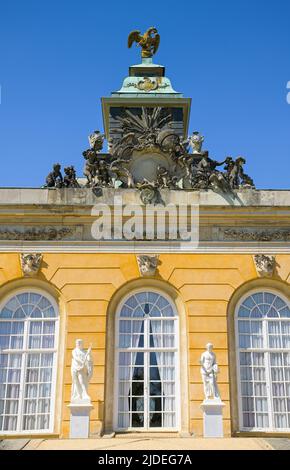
pixel 149 41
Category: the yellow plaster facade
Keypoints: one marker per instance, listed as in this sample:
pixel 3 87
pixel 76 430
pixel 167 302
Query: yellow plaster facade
pixel 84 285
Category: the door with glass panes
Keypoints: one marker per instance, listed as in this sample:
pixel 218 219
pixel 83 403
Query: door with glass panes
pixel 146 385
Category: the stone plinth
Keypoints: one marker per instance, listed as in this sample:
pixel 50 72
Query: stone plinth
pixel 212 418
pixel 80 420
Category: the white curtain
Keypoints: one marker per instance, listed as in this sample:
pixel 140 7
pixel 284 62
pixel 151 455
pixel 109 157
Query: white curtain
pixel 279 392
pixel 169 389
pixel 167 370
pixel 127 363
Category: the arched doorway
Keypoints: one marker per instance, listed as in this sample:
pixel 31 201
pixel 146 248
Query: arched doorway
pixel 146 386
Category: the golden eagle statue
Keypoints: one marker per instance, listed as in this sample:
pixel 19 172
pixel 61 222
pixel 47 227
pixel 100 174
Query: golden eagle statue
pixel 149 42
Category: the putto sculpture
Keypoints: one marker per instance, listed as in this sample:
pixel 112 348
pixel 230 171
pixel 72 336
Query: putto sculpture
pixel 265 264
pixel 147 264
pixel 81 371
pixel 149 41
pixel 54 179
pixel 70 178
pixel 209 370
pixel 30 263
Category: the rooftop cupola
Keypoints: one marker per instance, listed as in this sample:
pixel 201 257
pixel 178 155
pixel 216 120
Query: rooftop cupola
pixel 145 86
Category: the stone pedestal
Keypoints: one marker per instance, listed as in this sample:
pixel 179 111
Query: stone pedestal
pixel 212 418
pixel 80 420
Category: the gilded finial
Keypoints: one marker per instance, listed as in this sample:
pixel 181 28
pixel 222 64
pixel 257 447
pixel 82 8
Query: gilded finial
pixel 149 41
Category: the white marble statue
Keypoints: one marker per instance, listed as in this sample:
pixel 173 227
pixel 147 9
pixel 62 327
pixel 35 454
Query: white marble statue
pixel 209 370
pixel 81 371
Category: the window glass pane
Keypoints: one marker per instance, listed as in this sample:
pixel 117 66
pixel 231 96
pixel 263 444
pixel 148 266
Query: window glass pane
pixel 138 312
pixel 124 359
pixel 35 327
pixel 244 326
pixel 167 311
pixel 155 420
pixel 284 312
pixel 137 420
pixel 138 373
pixel 19 313
pixel 12 391
pixel 125 326
pixel 244 341
pixel 5 328
pixel 279 303
pixel 4 342
pixel 269 298
pixel 258 298
pixel 256 313
pixel 126 311
pixel 244 312
pixel 132 302
pixel 137 404
pixel 49 312
pixel 6 313
pixel 155 312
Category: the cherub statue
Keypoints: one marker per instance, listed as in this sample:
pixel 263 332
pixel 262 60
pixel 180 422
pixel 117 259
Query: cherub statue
pixel 234 171
pixel 70 179
pixel 90 167
pixel 102 177
pixel 204 172
pixel 54 179
pixel 147 42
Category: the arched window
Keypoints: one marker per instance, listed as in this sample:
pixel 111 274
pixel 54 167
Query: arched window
pixel 28 345
pixel 263 355
pixel 146 363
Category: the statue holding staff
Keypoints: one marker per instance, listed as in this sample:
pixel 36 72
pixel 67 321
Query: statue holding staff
pixel 81 371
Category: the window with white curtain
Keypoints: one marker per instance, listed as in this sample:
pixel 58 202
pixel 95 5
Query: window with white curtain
pixel 28 346
pixel 263 355
pixel 146 372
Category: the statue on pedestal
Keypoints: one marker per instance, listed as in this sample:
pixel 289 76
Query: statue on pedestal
pixel 81 371
pixel 209 370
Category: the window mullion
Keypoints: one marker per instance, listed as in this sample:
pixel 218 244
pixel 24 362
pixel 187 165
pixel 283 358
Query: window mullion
pixel 268 372
pixel 23 375
pixel 146 369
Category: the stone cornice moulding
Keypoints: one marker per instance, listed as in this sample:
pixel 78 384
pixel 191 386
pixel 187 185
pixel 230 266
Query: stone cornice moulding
pixel 135 248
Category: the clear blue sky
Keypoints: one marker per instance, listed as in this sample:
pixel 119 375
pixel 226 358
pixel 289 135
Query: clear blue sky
pixel 57 58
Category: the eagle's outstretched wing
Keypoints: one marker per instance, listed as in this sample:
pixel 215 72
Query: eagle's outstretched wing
pixel 156 43
pixel 134 36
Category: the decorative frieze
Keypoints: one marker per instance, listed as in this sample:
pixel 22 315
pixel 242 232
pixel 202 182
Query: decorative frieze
pixel 35 233
pixel 257 235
